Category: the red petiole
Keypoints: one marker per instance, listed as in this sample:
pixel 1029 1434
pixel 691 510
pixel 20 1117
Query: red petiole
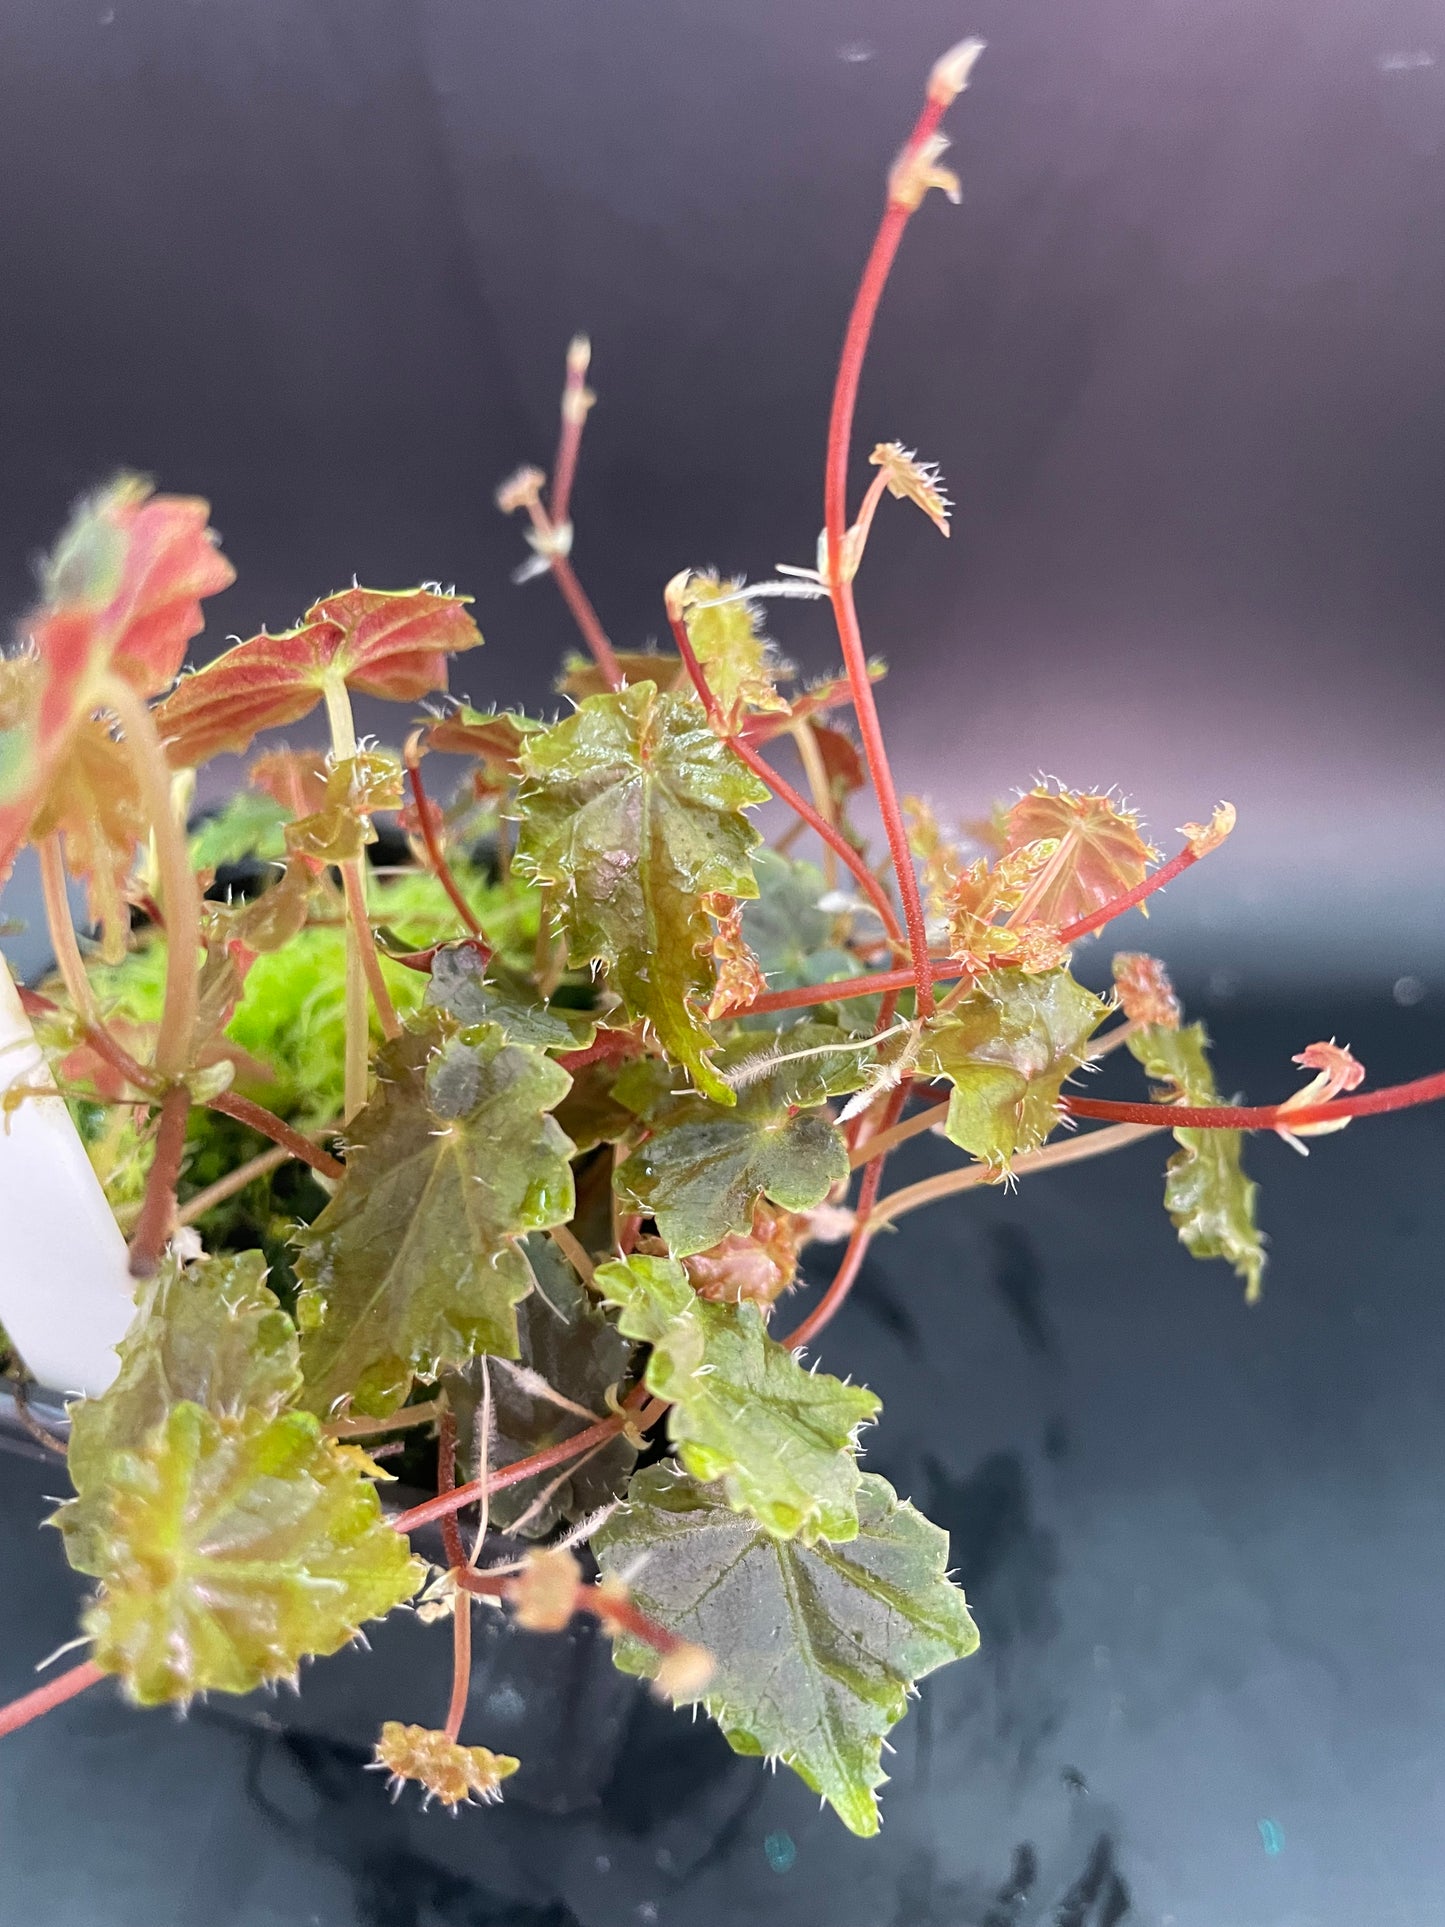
pixel 780 787
pixel 436 855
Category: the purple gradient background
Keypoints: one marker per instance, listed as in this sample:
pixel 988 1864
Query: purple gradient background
pixel 1181 355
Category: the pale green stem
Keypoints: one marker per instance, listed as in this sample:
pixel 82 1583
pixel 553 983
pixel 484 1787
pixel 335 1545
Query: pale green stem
pixel 180 893
pixel 68 960
pixel 358 1016
pixel 816 772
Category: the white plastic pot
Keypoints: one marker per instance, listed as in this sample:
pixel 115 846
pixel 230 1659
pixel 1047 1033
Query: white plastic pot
pixel 65 1291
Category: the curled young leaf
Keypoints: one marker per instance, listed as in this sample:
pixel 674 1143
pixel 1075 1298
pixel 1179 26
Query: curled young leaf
pixel 1203 838
pixel 726 635
pixel 781 1440
pixel 815 1648
pixel 1336 1069
pixel 232 1549
pixel 759 1264
pixel 414 1265
pixel 979 895
pixel 543 1596
pixel 450 1772
pixel 632 810
pixel 1210 1201
pixel 910 480
pixel 1007 1049
pixel 339 828
pixel 382 642
pixel 1145 992
pixel 739 975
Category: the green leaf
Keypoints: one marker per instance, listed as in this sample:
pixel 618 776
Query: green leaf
pixel 632 810
pixel 477 992
pixel 743 1410
pixel 414 1265
pixel 235 1547
pixel 568 1341
pixel 246 825
pixel 815 1647
pixel 1007 1049
pixel 211 1333
pixel 792 938
pixel 1210 1201
pixel 703 1168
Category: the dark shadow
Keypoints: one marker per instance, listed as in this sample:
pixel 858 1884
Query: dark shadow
pixel 1005 1561
pixel 1017 1276
pixel 1099 1897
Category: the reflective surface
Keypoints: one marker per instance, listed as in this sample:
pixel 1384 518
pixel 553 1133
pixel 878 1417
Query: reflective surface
pixel 1206 1547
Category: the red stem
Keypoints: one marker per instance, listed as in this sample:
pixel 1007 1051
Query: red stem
pixel 158 1208
pixel 621 1615
pixel 446 1482
pixel 441 869
pixel 1262 1117
pixel 585 616
pixel 873 982
pixel 231 1104
pixel 835 503
pixel 781 788
pixel 461 1664
pixel 444 1503
pixel 812 702
pixel 609 1047
pixel 457 1561
pixel 139 1076
pixel 55 1692
pixel 1166 873
pixel 486 1585
pixel 845 988
pixel 845 1278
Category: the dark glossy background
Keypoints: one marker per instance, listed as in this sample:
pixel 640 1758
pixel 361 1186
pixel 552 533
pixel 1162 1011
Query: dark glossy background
pixel 1182 357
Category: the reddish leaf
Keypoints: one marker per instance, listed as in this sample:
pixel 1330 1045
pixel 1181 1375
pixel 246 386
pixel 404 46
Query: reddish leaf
pixel 496 735
pixel 396 643
pixel 122 596
pixel 383 642
pixel 94 801
pixel 295 778
pixel 123 589
pixel 1100 854
pixel 841 759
